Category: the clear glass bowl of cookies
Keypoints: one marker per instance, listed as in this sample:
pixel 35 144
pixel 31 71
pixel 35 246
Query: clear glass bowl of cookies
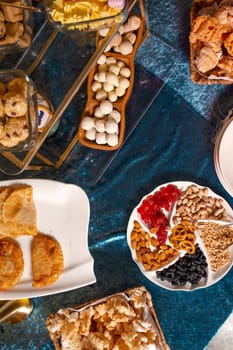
pixel 18 111
pixel 85 16
pixel 16 26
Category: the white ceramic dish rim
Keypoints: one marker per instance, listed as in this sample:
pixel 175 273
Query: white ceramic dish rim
pixel 63 211
pixel 221 173
pixel 213 277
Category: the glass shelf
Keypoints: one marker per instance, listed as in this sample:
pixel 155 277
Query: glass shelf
pixel 59 67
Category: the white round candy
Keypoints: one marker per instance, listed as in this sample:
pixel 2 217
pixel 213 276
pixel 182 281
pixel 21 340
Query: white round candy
pixel 96 85
pixel 112 96
pixel 115 114
pixel 111 78
pixel 125 72
pixel 107 87
pixel 87 123
pixel 120 91
pixel 91 134
pixel 102 59
pixel 114 68
pixel 110 60
pixel 101 95
pixel 100 138
pixel 123 83
pixel 100 125
pixel 98 112
pixel 106 107
pixel 100 76
pixel 112 140
pixel 111 127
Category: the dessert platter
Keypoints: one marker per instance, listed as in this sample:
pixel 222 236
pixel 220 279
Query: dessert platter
pixel 181 236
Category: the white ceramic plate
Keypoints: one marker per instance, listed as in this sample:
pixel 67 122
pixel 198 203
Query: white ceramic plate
pixel 212 277
pixel 63 211
pixel 222 156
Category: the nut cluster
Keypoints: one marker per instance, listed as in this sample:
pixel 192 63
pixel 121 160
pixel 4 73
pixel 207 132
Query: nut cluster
pixel 196 203
pixel 149 251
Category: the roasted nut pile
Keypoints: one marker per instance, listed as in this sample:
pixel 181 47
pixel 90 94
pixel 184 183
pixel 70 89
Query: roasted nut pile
pixel 196 203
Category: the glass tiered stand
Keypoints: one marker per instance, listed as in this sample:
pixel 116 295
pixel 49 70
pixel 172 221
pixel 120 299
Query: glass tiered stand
pixel 59 65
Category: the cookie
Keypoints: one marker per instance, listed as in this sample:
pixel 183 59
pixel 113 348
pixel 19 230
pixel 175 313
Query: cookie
pixel 47 260
pixel 15 131
pixel 207 59
pixel 18 86
pixel 15 104
pixel 11 263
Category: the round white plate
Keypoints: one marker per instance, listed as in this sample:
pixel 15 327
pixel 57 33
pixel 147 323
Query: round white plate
pixel 212 277
pixel 63 211
pixel 223 156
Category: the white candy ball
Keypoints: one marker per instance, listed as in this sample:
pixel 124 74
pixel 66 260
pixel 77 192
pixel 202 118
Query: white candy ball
pixel 98 112
pixel 101 95
pixel 90 134
pixel 96 85
pixel 111 127
pixel 112 96
pixel 111 78
pixel 115 114
pixel 114 68
pixel 107 87
pixel 106 107
pixel 100 76
pixel 100 138
pixel 110 60
pixel 87 123
pixel 100 125
pixel 102 59
pixel 123 83
pixel 112 140
pixel 125 72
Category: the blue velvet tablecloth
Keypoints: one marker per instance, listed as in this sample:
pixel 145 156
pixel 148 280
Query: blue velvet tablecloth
pixel 172 141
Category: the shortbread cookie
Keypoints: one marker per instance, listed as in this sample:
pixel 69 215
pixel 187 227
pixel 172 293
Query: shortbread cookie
pixel 207 59
pixel 47 260
pixel 15 131
pixel 11 263
pixel 15 104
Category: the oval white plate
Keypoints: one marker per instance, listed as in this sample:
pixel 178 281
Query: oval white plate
pixel 63 212
pixel 212 277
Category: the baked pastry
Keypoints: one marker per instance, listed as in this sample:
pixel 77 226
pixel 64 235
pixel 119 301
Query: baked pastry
pixel 47 260
pixel 211 41
pixel 11 263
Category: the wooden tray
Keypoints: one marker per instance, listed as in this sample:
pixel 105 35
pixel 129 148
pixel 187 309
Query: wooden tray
pixel 121 102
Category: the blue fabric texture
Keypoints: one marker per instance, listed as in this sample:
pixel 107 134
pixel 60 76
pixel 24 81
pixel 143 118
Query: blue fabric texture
pixel 172 141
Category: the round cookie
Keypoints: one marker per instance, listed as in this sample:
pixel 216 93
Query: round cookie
pixel 18 85
pixel 1 129
pixel 2 29
pixel 15 131
pixel 15 104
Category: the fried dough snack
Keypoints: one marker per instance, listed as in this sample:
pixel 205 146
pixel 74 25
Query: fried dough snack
pixel 47 260
pixel 211 39
pixel 17 212
pixel 11 263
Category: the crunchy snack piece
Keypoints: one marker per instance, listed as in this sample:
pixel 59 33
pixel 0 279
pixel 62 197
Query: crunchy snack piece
pixel 15 104
pixel 210 39
pixel 18 213
pixel 47 260
pixel 134 324
pixel 11 263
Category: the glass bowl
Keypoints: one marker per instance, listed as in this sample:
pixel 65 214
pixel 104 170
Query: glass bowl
pixel 63 16
pixel 18 111
pixel 16 26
